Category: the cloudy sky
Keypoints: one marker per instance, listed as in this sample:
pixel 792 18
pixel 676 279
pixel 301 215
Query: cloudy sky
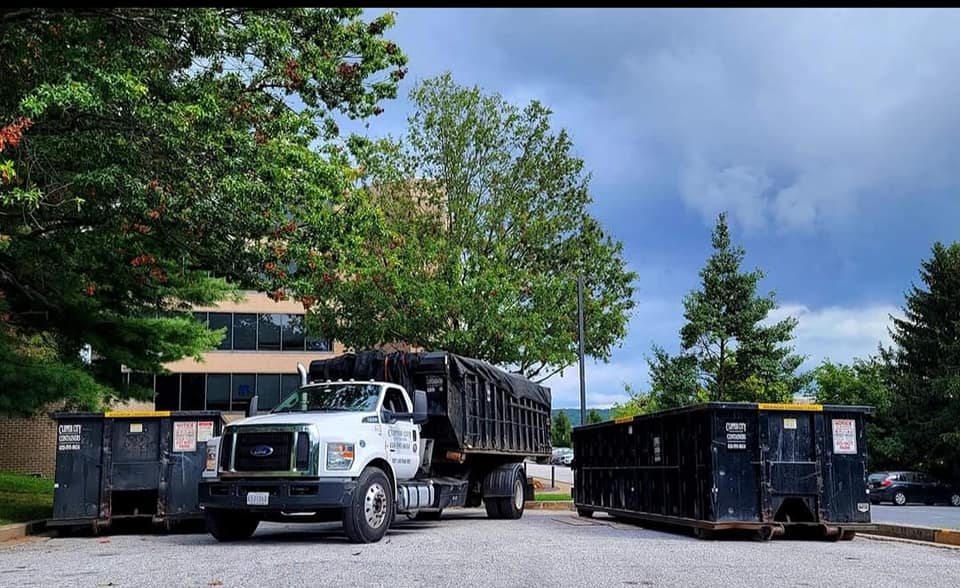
pixel 830 137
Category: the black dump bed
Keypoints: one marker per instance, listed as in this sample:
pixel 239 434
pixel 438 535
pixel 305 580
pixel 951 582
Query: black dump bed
pixel 474 407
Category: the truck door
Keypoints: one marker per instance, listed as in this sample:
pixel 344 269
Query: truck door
pixel 403 441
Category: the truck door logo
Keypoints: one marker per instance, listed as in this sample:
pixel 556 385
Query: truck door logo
pixel 261 451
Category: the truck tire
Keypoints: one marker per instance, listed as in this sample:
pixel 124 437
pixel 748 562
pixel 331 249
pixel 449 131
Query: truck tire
pixel 507 507
pixel 371 509
pixel 231 525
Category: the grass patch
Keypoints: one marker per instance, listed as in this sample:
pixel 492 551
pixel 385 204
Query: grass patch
pixel 24 498
pixel 556 497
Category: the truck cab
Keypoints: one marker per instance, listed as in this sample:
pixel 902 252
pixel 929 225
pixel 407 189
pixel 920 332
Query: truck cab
pixel 310 455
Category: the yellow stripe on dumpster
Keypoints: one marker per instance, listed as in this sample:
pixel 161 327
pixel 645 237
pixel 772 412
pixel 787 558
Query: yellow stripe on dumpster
pixel 623 419
pixel 789 406
pixel 137 413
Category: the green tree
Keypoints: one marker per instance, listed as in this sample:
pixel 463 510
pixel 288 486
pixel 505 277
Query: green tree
pixel 924 365
pixel 593 417
pixel 561 429
pixel 152 159
pixel 638 403
pixel 865 383
pixel 489 228
pixel 728 353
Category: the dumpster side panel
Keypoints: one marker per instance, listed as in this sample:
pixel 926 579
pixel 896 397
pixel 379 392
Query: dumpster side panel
pixel 136 450
pixel 736 452
pixel 845 496
pixel 76 493
pixel 183 468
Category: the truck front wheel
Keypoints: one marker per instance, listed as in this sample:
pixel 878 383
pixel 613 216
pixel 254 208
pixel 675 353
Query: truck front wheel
pixel 231 525
pixel 507 507
pixel 370 512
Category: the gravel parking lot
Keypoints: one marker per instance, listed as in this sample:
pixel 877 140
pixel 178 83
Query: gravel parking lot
pixel 544 548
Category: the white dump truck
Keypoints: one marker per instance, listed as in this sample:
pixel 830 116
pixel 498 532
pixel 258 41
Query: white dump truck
pixel 372 435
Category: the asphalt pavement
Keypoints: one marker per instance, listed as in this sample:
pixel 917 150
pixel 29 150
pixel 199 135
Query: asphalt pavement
pixel 940 517
pixel 467 549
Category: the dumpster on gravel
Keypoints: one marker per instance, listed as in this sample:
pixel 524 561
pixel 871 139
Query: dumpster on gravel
pixel 132 464
pixel 768 468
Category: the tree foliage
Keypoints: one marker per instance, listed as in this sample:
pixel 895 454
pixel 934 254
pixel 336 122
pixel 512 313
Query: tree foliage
pixel 487 230
pixel 561 430
pixel 865 383
pixel 150 160
pixel 593 417
pixel 924 365
pixel 638 403
pixel 728 351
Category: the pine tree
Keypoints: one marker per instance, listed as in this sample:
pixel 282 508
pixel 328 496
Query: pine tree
pixel 925 365
pixel 728 353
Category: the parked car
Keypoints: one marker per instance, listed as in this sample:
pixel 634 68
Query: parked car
pixel 562 456
pixel 901 488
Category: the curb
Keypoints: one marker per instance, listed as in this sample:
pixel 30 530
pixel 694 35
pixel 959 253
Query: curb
pixel 549 505
pixel 925 534
pixel 20 530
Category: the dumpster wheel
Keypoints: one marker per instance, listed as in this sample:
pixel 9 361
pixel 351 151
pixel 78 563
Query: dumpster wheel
pixel 765 533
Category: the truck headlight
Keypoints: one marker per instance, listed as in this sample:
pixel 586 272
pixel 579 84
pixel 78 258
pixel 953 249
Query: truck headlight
pixel 339 456
pixel 210 467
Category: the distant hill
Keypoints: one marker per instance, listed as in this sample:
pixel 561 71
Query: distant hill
pixel 574 414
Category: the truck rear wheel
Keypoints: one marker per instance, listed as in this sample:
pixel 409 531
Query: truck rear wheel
pixel 507 507
pixel 231 525
pixel 371 508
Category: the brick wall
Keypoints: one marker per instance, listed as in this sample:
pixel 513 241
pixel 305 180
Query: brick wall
pixel 28 446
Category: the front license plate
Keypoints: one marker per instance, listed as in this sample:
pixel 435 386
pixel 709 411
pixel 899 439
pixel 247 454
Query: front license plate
pixel 258 498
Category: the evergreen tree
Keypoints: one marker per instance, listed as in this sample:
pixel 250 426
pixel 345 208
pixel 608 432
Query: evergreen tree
pixel 560 432
pixel 728 352
pixel 925 365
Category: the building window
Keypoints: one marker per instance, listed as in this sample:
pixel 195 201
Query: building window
pixel 167 392
pixel 200 317
pixel 244 386
pixel 268 331
pixel 268 391
pixel 293 332
pixel 220 320
pixel 218 392
pixel 245 332
pixel 289 383
pixel 193 389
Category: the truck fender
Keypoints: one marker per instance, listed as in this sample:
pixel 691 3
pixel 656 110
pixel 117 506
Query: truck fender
pixel 384 464
pixel 499 481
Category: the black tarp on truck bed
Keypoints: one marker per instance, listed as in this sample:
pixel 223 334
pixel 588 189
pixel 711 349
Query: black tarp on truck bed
pixel 474 407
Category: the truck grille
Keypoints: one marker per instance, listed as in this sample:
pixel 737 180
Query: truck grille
pixel 263 452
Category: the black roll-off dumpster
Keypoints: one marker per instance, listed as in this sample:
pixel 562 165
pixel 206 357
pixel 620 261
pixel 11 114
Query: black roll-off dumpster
pixel 129 464
pixel 770 468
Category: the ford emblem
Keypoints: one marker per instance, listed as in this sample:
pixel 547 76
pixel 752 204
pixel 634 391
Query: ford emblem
pixel 261 451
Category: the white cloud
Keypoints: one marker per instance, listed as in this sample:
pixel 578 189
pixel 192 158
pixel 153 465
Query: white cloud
pixel 837 333
pixel 795 119
pixel 604 383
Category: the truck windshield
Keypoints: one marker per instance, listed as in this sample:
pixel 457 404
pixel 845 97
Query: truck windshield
pixel 324 397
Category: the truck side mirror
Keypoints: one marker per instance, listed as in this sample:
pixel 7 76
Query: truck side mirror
pixel 419 407
pixel 252 407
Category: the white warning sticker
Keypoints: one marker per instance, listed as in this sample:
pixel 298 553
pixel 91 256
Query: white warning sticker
pixel 185 436
pixel 204 431
pixel 844 436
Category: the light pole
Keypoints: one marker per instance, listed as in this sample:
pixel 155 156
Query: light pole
pixel 583 387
